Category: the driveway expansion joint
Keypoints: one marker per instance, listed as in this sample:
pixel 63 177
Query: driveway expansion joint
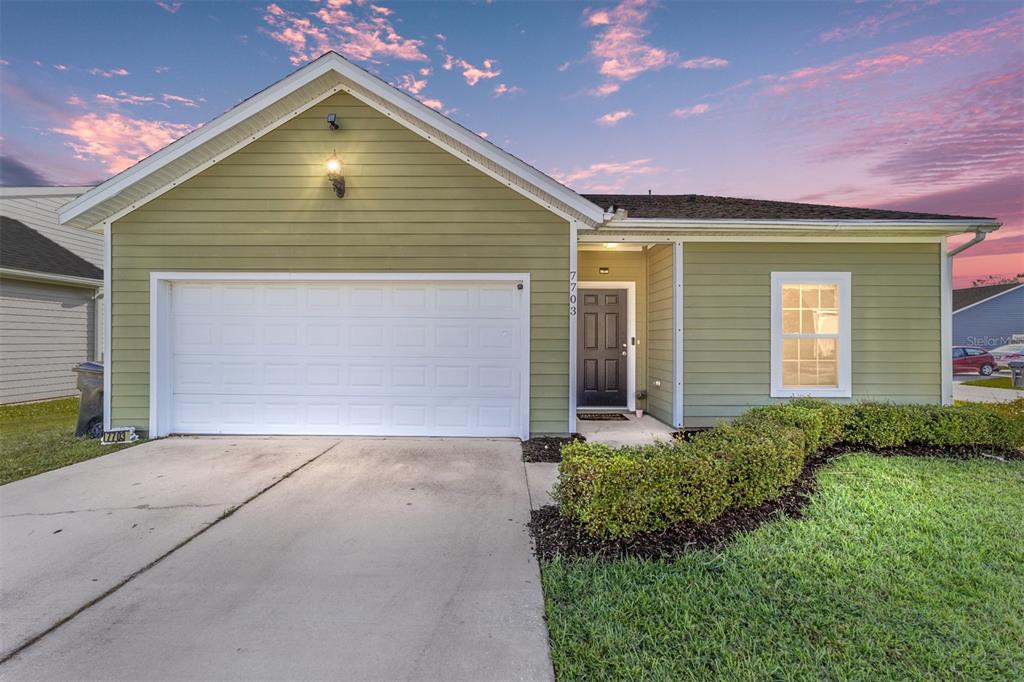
pixel 96 600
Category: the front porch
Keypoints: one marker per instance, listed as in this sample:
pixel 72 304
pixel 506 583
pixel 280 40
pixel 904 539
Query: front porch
pixel 628 341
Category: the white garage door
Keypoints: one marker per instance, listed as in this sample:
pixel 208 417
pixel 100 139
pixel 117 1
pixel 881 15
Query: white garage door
pixel 359 358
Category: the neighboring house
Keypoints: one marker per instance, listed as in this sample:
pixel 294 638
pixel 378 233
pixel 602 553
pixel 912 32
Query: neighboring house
pixel 456 290
pixel 990 316
pixel 50 284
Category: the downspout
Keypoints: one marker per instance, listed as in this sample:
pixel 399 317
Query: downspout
pixel 979 236
pixel 946 319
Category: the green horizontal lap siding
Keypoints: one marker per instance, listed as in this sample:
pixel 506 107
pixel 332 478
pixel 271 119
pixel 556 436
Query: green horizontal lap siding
pixel 409 207
pixel 659 332
pixel 895 321
pixel 623 266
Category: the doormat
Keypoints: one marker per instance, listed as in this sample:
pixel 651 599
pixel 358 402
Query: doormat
pixel 601 417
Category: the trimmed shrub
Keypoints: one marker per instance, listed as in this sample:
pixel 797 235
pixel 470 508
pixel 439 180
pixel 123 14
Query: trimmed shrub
pixel 807 420
pixel 618 493
pixel 763 456
pixel 882 425
pixel 833 418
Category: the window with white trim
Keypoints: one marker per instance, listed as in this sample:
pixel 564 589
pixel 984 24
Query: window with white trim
pixel 810 328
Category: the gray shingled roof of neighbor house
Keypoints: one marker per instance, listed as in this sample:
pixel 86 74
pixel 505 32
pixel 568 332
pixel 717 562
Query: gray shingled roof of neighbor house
pixel 26 249
pixel 703 207
pixel 971 295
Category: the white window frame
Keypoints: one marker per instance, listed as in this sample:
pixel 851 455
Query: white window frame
pixel 842 281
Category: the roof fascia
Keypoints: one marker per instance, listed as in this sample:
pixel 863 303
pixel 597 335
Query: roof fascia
pixel 945 226
pixel 51 278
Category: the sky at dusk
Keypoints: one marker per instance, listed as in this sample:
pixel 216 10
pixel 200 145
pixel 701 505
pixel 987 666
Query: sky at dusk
pixel 914 105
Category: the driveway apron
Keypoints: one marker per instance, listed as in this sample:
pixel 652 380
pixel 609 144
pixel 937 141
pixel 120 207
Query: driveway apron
pixel 382 559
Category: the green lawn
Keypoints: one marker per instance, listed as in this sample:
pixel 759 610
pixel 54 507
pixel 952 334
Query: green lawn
pixel 902 568
pixel 992 382
pixel 37 437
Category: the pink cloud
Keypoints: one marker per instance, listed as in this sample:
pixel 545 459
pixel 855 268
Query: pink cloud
pixel 612 118
pixel 171 7
pixel 503 89
pixel 891 15
pixel 434 104
pixel 123 97
pixel 621 48
pixel 161 69
pixel 605 176
pixel 75 101
pixel 109 74
pixel 362 35
pixel 604 89
pixel 484 134
pixel 177 99
pixel 60 67
pixel 411 84
pixel 704 63
pixel 118 141
pixel 963 134
pixel 563 67
pixel 471 73
pixel 695 110
pixel 425 71
pixel 901 56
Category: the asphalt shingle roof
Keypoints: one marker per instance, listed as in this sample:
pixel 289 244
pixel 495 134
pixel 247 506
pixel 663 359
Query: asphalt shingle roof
pixel 702 207
pixel 22 248
pixel 971 295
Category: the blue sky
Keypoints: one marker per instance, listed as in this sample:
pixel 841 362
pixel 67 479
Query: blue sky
pixel 916 104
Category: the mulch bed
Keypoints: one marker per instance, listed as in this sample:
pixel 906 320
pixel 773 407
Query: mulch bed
pixel 555 534
pixel 602 417
pixel 547 448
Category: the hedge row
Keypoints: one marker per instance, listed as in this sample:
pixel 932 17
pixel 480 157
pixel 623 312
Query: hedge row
pixel 617 493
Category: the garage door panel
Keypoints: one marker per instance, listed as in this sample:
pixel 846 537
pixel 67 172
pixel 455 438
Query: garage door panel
pixel 430 358
pixel 360 415
pixel 393 376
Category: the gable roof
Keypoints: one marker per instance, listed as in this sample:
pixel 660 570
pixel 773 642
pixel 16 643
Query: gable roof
pixel 971 296
pixel 28 251
pixel 249 120
pixel 701 207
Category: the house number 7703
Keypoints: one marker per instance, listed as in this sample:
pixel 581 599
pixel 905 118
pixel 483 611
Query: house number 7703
pixel 572 293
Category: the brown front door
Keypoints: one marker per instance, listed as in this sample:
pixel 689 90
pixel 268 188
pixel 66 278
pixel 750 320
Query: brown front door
pixel 601 364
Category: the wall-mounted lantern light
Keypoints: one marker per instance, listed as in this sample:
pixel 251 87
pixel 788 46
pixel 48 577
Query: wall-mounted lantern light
pixel 336 175
pixel 332 121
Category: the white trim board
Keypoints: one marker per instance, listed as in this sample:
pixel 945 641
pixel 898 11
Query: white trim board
pixel 630 288
pixel 946 324
pixel 572 302
pixel 677 338
pixel 160 388
pixel 845 359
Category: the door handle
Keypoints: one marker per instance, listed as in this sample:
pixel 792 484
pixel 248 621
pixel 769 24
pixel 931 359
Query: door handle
pixel 623 352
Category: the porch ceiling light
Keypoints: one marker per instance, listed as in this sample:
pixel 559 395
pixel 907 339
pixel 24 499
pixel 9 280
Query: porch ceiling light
pixel 611 245
pixel 336 175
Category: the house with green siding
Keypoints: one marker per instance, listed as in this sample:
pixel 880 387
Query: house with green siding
pixel 332 256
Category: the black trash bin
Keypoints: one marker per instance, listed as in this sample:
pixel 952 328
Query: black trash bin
pixel 90 408
pixel 1017 373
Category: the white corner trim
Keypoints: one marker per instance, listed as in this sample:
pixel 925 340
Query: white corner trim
pixel 630 288
pixel 108 356
pixel 843 280
pixel 573 305
pixel 160 289
pixel 946 324
pixel 986 300
pixel 677 336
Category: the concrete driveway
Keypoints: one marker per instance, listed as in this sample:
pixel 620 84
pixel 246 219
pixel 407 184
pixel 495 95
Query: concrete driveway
pixel 344 559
